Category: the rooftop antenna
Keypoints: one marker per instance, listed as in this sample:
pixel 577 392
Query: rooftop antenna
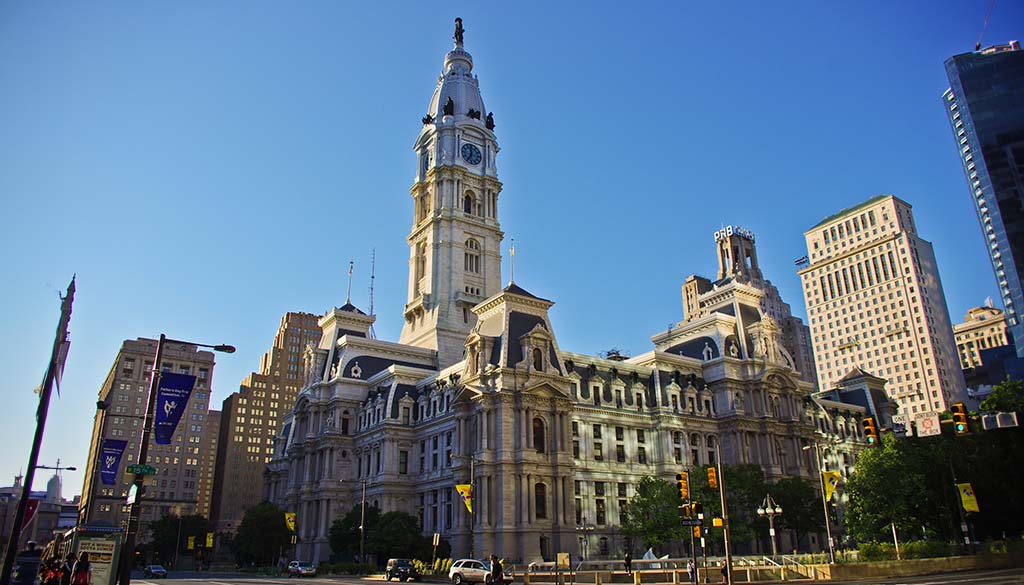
pixel 512 269
pixel 348 296
pixel 984 25
pixel 373 269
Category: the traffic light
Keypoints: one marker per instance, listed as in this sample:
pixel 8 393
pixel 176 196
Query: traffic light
pixel 712 478
pixel 696 509
pixel 870 430
pixel 959 418
pixel 684 511
pixel 683 482
pixel 696 532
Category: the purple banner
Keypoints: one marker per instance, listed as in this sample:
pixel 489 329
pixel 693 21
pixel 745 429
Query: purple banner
pixel 110 459
pixel 171 401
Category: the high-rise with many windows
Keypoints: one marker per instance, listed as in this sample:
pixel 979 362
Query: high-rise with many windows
pixel 249 420
pixel 122 400
pixel 985 105
pixel 875 302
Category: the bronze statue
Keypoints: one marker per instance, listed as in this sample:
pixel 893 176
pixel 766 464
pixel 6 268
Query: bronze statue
pixel 459 31
pixel 428 119
pixel 490 121
pixel 449 107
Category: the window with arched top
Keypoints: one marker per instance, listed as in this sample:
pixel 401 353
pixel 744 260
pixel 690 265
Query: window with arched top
pixel 472 257
pixel 540 500
pixel 467 203
pixel 538 435
pixel 538 359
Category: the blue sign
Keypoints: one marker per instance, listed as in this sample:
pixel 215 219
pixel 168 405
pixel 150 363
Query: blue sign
pixel 171 401
pixel 110 459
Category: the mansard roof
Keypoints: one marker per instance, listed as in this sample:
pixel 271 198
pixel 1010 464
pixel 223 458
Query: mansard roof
pixel 515 289
pixel 350 308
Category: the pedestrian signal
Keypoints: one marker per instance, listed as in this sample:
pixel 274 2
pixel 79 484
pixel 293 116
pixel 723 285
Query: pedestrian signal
pixel 870 430
pixel 712 478
pixel 959 418
pixel 683 483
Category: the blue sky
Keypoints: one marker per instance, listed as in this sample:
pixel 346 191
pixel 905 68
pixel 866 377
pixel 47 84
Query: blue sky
pixel 206 167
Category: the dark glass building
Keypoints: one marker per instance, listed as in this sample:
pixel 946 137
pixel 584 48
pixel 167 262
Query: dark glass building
pixel 985 105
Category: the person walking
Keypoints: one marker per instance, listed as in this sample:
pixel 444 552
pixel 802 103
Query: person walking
pixel 81 574
pixel 725 572
pixel 628 560
pixel 497 572
pixel 66 569
pixel 691 571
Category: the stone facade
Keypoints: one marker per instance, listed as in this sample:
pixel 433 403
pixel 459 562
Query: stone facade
pixel 479 391
pixel 983 328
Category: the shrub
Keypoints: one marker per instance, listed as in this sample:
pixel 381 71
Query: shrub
pixel 874 551
pixel 998 547
pixel 924 549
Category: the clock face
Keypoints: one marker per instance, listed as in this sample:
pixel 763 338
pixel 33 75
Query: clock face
pixel 471 154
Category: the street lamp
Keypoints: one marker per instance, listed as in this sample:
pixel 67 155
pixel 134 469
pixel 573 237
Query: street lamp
pixel 770 509
pixel 131 532
pixel 824 502
pixel 472 491
pixel 57 467
pixel 585 528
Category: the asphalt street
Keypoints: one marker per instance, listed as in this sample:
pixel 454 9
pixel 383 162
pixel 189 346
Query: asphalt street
pixel 988 577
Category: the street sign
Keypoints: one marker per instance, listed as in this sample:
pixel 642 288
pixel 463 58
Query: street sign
pixel 690 522
pixel 141 469
pixel 927 424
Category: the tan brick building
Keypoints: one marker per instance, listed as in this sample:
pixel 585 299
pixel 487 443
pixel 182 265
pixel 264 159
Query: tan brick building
pixel 875 301
pixel 249 420
pixel 122 399
pixel 208 461
pixel 983 327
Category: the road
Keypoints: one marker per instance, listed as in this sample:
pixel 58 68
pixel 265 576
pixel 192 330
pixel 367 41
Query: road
pixel 987 577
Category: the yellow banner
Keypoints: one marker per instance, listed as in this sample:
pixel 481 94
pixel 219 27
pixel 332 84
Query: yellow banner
pixel 191 542
pixel 831 479
pixel 209 540
pixel 289 519
pixel 465 491
pixel 967 497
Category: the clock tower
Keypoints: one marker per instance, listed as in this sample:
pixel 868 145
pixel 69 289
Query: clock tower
pixel 455 240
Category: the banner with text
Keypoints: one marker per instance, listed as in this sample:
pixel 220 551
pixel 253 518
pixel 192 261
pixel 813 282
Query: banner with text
pixel 171 400
pixel 465 491
pixel 110 459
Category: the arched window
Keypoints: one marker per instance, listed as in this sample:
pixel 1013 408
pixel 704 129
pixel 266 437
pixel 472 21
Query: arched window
pixel 467 202
pixel 421 263
pixel 540 500
pixel 538 435
pixel 538 359
pixel 472 258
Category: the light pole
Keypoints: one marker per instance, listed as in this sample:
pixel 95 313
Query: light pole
pixel 770 509
pixel 362 528
pixel 472 495
pixel 824 502
pixel 585 528
pixel 135 509
pixel 57 467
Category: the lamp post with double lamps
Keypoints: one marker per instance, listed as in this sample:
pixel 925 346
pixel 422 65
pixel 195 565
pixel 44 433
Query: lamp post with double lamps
pixel 132 529
pixel 585 528
pixel 770 509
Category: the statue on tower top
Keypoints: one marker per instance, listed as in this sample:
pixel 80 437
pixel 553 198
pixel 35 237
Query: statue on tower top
pixel 459 31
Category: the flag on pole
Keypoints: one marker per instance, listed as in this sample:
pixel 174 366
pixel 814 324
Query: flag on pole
pixel 466 492
pixel 289 520
pixel 831 479
pixel 967 498
pixel 191 543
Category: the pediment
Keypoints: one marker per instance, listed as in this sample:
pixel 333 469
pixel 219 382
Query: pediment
pixel 545 389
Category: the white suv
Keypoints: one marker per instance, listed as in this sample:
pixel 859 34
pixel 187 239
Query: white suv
pixel 470 571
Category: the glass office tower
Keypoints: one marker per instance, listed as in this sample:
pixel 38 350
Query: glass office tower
pixel 985 105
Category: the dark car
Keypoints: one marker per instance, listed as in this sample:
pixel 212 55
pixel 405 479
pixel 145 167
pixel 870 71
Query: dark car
pixel 402 569
pixel 154 572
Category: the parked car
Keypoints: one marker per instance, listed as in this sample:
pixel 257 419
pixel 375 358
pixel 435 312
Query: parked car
pixel 401 569
pixel 154 572
pixel 474 571
pixel 301 569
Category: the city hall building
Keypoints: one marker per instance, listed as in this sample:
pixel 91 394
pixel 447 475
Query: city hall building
pixel 478 390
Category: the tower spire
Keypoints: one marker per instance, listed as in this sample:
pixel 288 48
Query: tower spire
pixel 348 295
pixel 512 262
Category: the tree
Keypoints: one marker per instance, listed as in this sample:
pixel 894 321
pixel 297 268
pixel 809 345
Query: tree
pixel 801 506
pixel 172 530
pixel 1006 396
pixel 398 535
pixel 652 514
pixel 261 534
pixel 744 490
pixel 344 532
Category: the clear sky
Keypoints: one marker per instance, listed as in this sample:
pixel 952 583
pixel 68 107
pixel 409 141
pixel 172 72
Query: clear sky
pixel 205 167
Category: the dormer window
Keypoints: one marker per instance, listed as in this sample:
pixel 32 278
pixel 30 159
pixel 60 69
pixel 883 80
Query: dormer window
pixel 538 359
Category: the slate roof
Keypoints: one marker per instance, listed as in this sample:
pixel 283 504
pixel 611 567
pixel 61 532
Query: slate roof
pixel 515 289
pixel 351 309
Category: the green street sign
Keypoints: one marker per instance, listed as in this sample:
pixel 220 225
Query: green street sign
pixel 141 469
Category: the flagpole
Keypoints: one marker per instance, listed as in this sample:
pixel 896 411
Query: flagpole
pixel 44 405
pixel 824 504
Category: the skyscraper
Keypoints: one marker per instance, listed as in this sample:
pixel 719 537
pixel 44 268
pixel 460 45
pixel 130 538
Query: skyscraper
pixel 875 302
pixel 985 105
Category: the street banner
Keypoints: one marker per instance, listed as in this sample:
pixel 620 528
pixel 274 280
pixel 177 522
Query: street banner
pixel 967 498
pixel 110 459
pixel 171 400
pixel 831 479
pixel 191 542
pixel 209 540
pixel 466 492
pixel 289 520
pixel 30 512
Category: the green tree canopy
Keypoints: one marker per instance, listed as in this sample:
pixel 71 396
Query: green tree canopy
pixel 172 530
pixel 1006 396
pixel 344 532
pixel 652 515
pixel 261 534
pixel 801 507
